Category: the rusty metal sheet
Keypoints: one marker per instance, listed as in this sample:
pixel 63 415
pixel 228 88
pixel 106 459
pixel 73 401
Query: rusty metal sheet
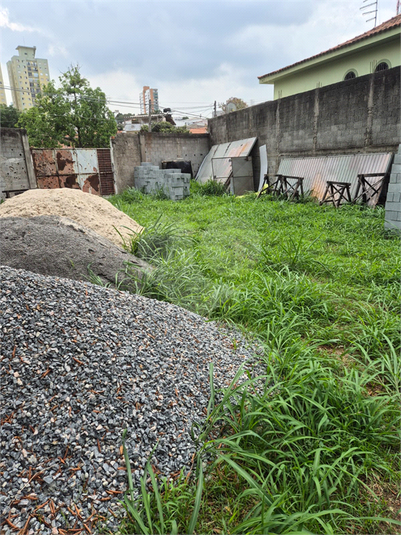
pixel 44 162
pixel 86 161
pixel 217 163
pixel 65 161
pixel 74 168
pixel 90 184
pixel 341 168
pixel 48 182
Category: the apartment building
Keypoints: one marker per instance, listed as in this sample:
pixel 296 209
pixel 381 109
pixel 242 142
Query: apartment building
pixel 27 75
pixel 147 96
pixel 2 91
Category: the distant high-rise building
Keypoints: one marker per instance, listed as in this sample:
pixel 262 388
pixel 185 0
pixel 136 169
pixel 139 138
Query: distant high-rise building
pixel 2 90
pixel 27 76
pixel 147 96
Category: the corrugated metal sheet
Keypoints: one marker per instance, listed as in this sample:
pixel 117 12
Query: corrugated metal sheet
pixel 316 171
pixel 74 168
pixel 217 164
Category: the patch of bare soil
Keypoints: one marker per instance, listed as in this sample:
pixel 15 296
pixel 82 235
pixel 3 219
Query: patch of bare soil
pixel 86 209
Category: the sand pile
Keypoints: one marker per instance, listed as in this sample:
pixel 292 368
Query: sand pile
pixel 89 210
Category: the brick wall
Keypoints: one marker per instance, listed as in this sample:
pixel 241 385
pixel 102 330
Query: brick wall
pixel 16 167
pixel 359 115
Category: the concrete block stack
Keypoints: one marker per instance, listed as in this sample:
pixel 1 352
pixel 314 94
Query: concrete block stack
pixel 393 201
pixel 150 179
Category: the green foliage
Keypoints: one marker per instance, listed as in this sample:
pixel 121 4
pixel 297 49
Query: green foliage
pixel 166 127
pixel 311 444
pixel 211 187
pixel 237 102
pixel 74 115
pixel 9 116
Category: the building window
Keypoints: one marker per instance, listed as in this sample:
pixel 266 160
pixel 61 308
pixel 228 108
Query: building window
pixel 382 66
pixel 350 75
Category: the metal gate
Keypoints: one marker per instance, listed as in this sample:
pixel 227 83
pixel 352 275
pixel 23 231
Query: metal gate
pixel 90 170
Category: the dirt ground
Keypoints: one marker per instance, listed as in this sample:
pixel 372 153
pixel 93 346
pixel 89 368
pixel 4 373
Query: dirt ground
pixel 88 210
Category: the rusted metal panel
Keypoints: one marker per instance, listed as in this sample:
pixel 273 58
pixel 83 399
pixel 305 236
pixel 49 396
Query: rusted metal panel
pixel 66 162
pixel 86 161
pixel 48 182
pixel 44 162
pixel 316 171
pixel 74 168
pixel 217 163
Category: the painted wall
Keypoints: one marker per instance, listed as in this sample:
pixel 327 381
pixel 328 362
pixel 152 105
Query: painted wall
pixel 331 72
pixel 359 115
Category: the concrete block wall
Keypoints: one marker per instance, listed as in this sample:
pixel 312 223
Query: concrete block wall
pixel 131 148
pixel 150 179
pixel 126 156
pixel 358 115
pixel 157 147
pixel 16 166
pixel 393 201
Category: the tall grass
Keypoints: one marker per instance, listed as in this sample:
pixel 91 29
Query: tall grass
pixel 312 445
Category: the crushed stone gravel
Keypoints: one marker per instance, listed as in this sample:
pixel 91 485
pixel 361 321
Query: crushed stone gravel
pixel 78 364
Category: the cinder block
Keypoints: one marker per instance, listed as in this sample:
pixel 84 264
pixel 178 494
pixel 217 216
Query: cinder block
pixel 397 198
pixel 393 206
pixel 396 168
pixel 394 188
pixel 392 225
pixel 391 215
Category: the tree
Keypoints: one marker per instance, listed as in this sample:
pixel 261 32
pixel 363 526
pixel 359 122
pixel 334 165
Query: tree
pixel 234 101
pixel 165 127
pixel 9 116
pixel 74 115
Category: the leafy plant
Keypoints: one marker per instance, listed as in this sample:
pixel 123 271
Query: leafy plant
pixel 209 188
pixel 74 114
pixel 309 445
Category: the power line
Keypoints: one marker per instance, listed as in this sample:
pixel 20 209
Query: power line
pixel 195 111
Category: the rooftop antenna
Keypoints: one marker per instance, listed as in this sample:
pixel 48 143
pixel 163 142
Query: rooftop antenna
pixel 398 7
pixel 374 6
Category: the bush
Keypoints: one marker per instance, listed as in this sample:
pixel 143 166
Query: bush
pixel 211 187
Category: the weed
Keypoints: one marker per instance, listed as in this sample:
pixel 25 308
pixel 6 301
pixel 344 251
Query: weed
pixel 209 188
pixel 309 446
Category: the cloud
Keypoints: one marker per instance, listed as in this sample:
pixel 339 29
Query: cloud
pixel 13 26
pixel 57 50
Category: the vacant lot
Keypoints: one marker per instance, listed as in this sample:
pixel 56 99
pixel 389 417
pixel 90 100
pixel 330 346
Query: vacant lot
pixel 316 449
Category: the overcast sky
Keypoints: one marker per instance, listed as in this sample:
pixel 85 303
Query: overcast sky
pixel 194 52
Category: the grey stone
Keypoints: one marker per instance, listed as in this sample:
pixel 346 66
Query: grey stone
pixel 58 246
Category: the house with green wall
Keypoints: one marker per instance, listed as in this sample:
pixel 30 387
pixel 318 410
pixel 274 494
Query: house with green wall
pixel 375 50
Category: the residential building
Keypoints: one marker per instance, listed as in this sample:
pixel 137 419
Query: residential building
pixel 2 90
pixel 137 121
pixel 27 75
pixel 375 50
pixel 149 97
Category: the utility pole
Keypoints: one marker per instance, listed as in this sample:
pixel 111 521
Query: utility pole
pixel 215 109
pixel 150 115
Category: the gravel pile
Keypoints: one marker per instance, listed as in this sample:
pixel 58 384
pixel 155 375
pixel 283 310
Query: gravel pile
pixel 79 364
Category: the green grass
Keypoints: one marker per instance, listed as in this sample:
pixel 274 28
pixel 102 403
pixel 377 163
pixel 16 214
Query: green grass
pixel 312 446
